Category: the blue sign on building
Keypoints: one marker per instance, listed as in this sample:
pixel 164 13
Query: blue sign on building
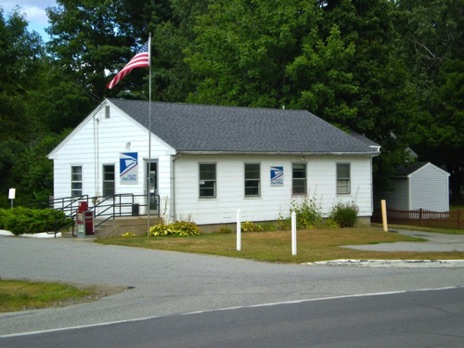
pixel 277 176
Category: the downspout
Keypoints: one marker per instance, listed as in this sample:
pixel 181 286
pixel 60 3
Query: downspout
pixel 173 186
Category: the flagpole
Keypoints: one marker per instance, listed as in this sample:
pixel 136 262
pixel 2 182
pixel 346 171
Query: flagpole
pixel 149 136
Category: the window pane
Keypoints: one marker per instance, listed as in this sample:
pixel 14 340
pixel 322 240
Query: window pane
pixel 299 179
pixel 299 187
pixel 251 171
pixel 207 188
pixel 343 186
pixel 252 188
pixel 76 181
pixel 343 171
pixel 208 180
pixel 207 171
pixel 108 173
pixel 343 178
pixel 299 171
pixel 252 179
pixel 76 173
pixel 108 180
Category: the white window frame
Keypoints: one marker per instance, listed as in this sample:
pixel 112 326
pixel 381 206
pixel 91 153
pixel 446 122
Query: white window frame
pixel 76 181
pixel 343 181
pixel 249 180
pixel 207 183
pixel 107 181
pixel 305 179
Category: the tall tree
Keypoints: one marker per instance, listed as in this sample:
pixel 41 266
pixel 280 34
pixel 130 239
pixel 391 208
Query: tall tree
pixel 21 55
pixel 172 78
pixel 242 49
pixel 92 39
pixel 334 58
pixel 433 32
pixel 379 100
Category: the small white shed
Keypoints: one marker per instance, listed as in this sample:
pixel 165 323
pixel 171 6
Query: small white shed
pixel 420 185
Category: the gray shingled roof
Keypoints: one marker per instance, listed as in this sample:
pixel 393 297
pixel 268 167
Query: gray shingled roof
pixel 410 168
pixel 206 128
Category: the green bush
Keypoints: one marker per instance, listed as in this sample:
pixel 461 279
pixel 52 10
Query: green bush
pixel 270 226
pixel 248 226
pixel 345 214
pixel 179 228
pixel 24 220
pixel 308 215
pixel 224 230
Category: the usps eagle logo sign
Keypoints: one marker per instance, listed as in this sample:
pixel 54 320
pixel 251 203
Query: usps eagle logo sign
pixel 277 176
pixel 128 168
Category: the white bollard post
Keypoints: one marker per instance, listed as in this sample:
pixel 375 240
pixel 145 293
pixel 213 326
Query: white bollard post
pixel 239 231
pixel 293 233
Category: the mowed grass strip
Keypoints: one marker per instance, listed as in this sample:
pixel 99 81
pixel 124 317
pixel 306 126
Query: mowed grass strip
pixel 18 295
pixel 313 245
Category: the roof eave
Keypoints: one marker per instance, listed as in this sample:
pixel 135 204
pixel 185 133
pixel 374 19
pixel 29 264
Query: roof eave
pixel 288 153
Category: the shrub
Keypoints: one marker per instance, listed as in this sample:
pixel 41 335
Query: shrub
pixel 24 220
pixel 224 230
pixel 179 228
pixel 248 226
pixel 345 214
pixel 128 235
pixel 185 228
pixel 270 226
pixel 308 215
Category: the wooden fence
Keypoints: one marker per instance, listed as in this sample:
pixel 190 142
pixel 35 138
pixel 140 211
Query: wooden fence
pixel 421 217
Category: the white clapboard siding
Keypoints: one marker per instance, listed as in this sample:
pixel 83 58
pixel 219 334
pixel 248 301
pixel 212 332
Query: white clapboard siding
pixel 273 201
pixel 98 141
pixel 429 189
pixel 426 187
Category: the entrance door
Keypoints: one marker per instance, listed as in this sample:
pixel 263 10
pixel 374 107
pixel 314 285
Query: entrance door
pixel 152 182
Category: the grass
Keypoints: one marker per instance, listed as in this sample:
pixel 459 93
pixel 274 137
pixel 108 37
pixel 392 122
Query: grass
pixel 313 245
pixel 18 295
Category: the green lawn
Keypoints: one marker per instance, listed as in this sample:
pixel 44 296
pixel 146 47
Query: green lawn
pixel 313 245
pixel 17 295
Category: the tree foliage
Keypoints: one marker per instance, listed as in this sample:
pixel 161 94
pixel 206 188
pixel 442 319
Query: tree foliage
pixel 392 70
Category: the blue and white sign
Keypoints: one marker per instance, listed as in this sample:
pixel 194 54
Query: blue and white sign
pixel 277 176
pixel 128 168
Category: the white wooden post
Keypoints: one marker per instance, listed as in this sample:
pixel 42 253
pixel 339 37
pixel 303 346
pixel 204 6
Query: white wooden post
pixel 239 231
pixel 293 233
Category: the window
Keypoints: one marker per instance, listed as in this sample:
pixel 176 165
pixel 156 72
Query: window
pixel 207 180
pixel 343 178
pixel 252 180
pixel 108 180
pixel 76 181
pixel 299 179
pixel 107 111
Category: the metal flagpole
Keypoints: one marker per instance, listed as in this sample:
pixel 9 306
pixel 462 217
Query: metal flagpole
pixel 149 136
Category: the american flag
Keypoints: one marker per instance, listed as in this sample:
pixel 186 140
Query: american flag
pixel 140 60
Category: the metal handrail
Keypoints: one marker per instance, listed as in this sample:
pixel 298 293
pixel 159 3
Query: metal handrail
pixel 106 208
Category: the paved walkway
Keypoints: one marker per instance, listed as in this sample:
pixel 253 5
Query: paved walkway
pixel 437 242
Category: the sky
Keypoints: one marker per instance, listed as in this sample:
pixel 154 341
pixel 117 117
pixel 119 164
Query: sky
pixel 34 11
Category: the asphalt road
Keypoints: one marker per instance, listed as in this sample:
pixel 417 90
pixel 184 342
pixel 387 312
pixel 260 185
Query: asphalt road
pixel 411 319
pixel 167 284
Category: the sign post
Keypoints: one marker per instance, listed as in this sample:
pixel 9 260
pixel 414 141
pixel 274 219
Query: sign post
pixel 11 195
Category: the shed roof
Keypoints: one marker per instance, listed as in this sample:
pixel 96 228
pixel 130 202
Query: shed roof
pixel 407 170
pixel 207 128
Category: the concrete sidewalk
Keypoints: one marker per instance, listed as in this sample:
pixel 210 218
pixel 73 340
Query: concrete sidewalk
pixel 436 242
